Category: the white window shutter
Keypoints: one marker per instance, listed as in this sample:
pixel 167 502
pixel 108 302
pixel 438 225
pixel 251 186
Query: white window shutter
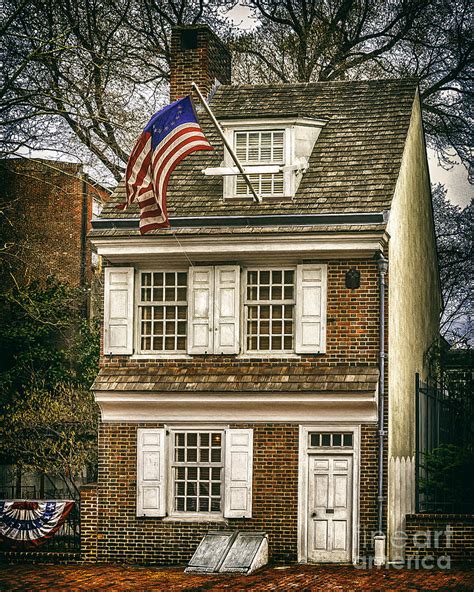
pixel 118 310
pixel 227 309
pixel 238 473
pixel 311 290
pixel 200 308
pixel 151 486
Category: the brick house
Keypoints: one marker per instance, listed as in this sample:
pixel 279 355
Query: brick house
pixel 243 372
pixel 46 212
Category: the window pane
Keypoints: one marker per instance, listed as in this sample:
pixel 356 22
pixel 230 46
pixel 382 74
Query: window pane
pixel 197 488
pixel 337 439
pixel 277 277
pixel 152 290
pixel 326 439
pixel 347 439
pixel 265 320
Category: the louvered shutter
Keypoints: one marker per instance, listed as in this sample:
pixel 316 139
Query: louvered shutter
pixel 226 309
pixel 238 473
pixel 200 322
pixel 118 310
pixel 151 486
pixel 311 288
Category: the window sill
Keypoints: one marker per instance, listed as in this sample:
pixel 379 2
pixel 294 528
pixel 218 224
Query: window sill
pixel 268 356
pixel 170 356
pixel 213 519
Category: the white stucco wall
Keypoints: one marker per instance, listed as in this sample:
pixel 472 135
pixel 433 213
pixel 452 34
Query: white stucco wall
pixel 414 296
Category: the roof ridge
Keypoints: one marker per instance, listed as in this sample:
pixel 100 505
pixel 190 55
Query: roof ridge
pixel 406 79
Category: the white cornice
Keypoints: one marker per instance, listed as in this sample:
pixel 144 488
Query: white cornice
pixel 122 406
pixel 264 122
pixel 298 246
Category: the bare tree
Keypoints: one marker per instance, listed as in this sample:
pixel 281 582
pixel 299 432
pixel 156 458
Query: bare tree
pixel 455 234
pixel 82 76
pixel 310 40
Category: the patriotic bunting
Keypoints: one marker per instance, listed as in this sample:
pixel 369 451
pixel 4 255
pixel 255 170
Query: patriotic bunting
pixel 27 524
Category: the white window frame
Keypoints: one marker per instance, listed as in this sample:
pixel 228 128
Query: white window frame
pixel 196 515
pixel 305 451
pixel 301 133
pixel 257 353
pixel 289 185
pixel 285 175
pixel 145 354
pixel 236 467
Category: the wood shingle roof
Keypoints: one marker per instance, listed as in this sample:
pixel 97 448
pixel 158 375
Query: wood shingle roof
pixel 241 377
pixel 354 165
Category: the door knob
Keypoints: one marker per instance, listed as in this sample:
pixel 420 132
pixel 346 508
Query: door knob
pixel 313 515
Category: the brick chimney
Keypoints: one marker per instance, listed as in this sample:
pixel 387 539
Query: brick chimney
pixel 197 55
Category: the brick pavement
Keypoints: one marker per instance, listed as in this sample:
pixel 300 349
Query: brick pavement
pixel 294 577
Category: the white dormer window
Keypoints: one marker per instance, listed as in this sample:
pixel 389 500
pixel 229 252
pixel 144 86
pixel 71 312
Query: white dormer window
pixel 274 153
pixel 266 147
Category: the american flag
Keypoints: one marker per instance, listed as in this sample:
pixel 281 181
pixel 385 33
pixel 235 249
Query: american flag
pixel 169 136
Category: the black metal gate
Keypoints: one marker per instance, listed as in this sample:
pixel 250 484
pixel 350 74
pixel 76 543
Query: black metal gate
pixel 444 418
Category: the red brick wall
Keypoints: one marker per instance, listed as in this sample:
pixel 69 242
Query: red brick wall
pixel 43 219
pixel 124 537
pixel 202 65
pixel 352 338
pixel 436 535
pixel 352 325
pixel 89 522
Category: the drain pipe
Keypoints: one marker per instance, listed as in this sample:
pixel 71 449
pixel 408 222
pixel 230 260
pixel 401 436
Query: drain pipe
pixel 380 539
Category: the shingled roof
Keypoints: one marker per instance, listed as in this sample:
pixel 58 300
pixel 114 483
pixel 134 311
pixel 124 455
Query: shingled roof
pixel 244 377
pixel 354 165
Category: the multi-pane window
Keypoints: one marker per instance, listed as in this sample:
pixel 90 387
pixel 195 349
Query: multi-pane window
pixel 197 471
pixel 270 310
pixel 260 148
pixel 330 440
pixel 163 311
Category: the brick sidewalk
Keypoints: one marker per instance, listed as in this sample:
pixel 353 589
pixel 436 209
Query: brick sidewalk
pixel 294 577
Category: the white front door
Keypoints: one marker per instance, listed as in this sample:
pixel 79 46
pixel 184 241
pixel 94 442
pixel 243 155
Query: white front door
pixel 329 508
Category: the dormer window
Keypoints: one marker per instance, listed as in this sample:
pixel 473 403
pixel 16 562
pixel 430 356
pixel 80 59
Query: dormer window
pixel 274 153
pixel 253 148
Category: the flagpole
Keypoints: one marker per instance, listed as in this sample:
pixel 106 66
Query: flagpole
pixel 226 143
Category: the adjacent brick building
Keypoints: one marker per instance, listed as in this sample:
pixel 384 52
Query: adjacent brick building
pixel 46 215
pixel 241 375
pixel 46 209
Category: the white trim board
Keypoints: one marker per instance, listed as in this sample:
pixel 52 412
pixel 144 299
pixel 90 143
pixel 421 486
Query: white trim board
pixel 304 453
pixel 293 407
pixel 254 248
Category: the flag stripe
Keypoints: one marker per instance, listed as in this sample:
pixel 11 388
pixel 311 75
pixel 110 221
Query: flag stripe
pixel 170 135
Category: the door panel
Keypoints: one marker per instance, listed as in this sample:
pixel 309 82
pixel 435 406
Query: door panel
pixel 330 508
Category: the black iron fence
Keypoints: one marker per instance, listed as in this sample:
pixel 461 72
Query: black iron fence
pixel 444 427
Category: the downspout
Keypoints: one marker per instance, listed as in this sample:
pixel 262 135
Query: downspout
pixel 379 539
pixel 84 229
